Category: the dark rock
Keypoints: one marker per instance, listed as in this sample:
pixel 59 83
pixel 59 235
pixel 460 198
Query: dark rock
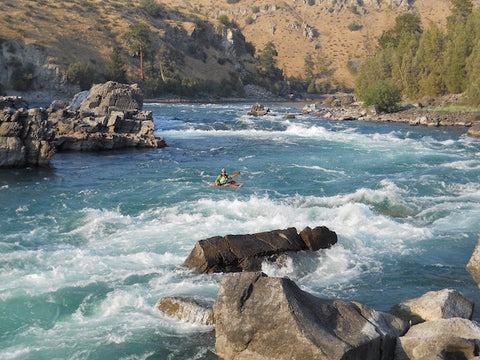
pixel 232 253
pixel 257 317
pixel 14 102
pixel 318 238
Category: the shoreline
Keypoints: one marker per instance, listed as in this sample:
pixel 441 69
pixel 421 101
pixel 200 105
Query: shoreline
pixel 334 107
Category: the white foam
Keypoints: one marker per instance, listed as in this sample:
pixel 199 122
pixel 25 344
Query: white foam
pixel 319 168
pixel 466 165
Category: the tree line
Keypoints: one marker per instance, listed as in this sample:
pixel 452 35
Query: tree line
pixel 415 62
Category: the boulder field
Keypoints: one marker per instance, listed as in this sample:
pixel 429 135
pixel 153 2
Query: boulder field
pixel 271 318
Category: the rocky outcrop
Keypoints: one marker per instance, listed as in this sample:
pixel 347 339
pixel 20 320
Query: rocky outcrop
pixel 434 305
pixel 233 253
pixel 258 317
pixel 188 309
pixel 258 109
pixel 473 266
pixel 111 96
pixel 109 117
pixel 25 135
pixel 454 338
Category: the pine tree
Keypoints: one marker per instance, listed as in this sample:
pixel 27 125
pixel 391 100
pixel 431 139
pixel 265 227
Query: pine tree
pixel 429 61
pixel 115 67
pixel 137 40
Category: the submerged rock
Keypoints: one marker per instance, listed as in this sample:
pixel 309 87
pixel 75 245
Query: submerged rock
pixel 258 317
pixel 189 309
pixel 233 253
pixel 258 110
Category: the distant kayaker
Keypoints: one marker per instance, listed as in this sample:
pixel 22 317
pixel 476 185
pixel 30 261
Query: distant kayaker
pixel 223 178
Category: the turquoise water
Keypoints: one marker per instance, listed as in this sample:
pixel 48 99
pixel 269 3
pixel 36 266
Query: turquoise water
pixel 88 246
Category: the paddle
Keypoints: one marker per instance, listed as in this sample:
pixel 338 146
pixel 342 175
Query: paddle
pixel 235 174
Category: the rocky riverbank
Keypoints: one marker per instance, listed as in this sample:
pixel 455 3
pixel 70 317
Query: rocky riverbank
pixel 343 107
pixel 261 317
pixel 107 117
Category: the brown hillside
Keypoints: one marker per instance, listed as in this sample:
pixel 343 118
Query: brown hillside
pixel 86 30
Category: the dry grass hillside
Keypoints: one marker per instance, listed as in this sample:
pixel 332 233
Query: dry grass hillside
pixel 343 32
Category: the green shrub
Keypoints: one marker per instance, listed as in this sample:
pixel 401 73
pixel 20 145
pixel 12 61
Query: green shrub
pixel 256 9
pixel 249 20
pixel 311 2
pixel 354 26
pixel 232 1
pixel 151 7
pixel 224 20
pixel 383 94
pixel 81 74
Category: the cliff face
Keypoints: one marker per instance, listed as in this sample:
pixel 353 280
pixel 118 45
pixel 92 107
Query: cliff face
pixel 27 71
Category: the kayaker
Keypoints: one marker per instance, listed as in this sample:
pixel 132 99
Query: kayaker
pixel 223 178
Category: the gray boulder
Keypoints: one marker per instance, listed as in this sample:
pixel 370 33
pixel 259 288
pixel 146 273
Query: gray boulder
pixel 233 253
pixel 434 305
pixel 473 266
pixel 109 116
pixel 25 135
pixel 442 339
pixel 103 98
pixel 258 317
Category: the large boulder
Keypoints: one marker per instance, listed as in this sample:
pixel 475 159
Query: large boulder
pixel 25 135
pixel 320 237
pixel 109 116
pixel 442 339
pixel 111 95
pixel 434 305
pixel 233 253
pixel 258 317
pixel 473 266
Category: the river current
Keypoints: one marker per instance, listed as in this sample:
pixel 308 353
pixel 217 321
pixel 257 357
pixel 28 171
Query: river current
pixel 88 246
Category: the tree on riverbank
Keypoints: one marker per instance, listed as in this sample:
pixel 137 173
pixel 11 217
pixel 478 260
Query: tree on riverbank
pixel 430 61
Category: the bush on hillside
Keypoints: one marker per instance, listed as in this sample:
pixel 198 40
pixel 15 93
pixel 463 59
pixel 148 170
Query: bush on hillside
pixel 152 7
pixel 383 94
pixel 81 74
